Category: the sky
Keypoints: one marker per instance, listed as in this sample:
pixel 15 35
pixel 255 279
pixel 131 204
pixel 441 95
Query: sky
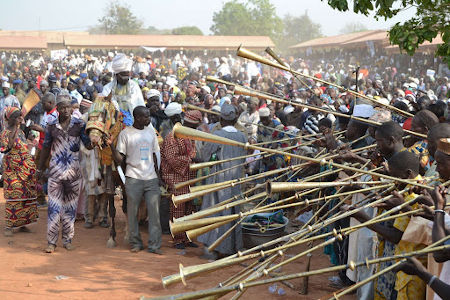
pixel 166 14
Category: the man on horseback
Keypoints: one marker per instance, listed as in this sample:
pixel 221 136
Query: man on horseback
pixel 108 115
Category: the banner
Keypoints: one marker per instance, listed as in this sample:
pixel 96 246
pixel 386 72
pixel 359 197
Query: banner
pixel 58 54
pixel 154 49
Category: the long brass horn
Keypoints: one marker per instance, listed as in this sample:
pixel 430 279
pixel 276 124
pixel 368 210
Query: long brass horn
pixel 194 233
pixel 199 193
pixel 351 265
pixel 189 133
pixel 193 189
pixel 179 227
pixel 277 187
pixel 213 210
pixel 281 62
pixel 193 107
pixel 242 52
pixel 249 92
pixel 195 180
pixel 208 164
pixel 253 93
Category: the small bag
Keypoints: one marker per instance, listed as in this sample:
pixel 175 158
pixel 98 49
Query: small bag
pixel 418 231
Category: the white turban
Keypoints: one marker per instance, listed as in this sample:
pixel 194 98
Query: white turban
pixel 264 112
pixel 207 89
pixel 288 109
pixel 153 93
pixel 383 101
pixel 121 63
pixel 172 109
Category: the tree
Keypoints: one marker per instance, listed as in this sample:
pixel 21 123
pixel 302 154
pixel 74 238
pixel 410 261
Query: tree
pixel 353 27
pixel 254 17
pixel 187 30
pixel 118 19
pixel 297 30
pixel 154 30
pixel 430 20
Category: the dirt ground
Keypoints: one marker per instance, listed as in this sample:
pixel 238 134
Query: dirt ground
pixel 93 271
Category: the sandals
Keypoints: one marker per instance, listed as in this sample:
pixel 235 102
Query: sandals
pixel 50 248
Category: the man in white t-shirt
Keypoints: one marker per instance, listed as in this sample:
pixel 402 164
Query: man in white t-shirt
pixel 138 144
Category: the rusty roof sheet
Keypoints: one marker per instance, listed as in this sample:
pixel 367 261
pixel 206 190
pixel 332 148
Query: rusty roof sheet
pixel 424 46
pixel 337 39
pixel 52 37
pixel 168 41
pixel 377 37
pixel 22 42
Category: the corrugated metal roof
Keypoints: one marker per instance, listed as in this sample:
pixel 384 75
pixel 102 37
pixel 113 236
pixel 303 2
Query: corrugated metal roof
pixel 23 42
pixel 52 37
pixel 168 41
pixel 337 39
pixel 376 37
pixel 423 47
pixel 84 39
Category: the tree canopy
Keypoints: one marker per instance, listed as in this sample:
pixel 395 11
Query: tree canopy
pixel 118 19
pixel 254 17
pixel 430 20
pixel 187 30
pixel 353 27
pixel 297 30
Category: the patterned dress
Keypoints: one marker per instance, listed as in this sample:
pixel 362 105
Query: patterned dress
pixel 420 149
pixel 266 135
pixel 19 182
pixel 64 177
pixel 408 286
pixel 176 156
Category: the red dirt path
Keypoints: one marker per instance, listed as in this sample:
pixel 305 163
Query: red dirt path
pixel 96 272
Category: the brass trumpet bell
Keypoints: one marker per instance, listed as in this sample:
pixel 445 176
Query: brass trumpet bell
pixel 177 227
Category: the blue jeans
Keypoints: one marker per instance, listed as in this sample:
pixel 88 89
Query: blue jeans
pixel 137 190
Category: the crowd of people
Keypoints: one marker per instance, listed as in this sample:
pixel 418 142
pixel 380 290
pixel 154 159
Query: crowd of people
pixel 104 124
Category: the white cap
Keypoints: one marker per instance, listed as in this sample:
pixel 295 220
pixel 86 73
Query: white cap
pixel 152 93
pixel 216 108
pixel 264 112
pixel 288 109
pixel 6 84
pixel 383 101
pixel 207 89
pixel 413 85
pixel 174 108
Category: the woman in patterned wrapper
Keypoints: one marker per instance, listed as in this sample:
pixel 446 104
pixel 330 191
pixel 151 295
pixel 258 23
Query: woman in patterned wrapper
pixel 19 174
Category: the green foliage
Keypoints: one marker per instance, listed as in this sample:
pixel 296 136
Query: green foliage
pixel 154 30
pixel 431 19
pixel 119 19
pixel 353 27
pixel 187 30
pixel 254 17
pixel 297 30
